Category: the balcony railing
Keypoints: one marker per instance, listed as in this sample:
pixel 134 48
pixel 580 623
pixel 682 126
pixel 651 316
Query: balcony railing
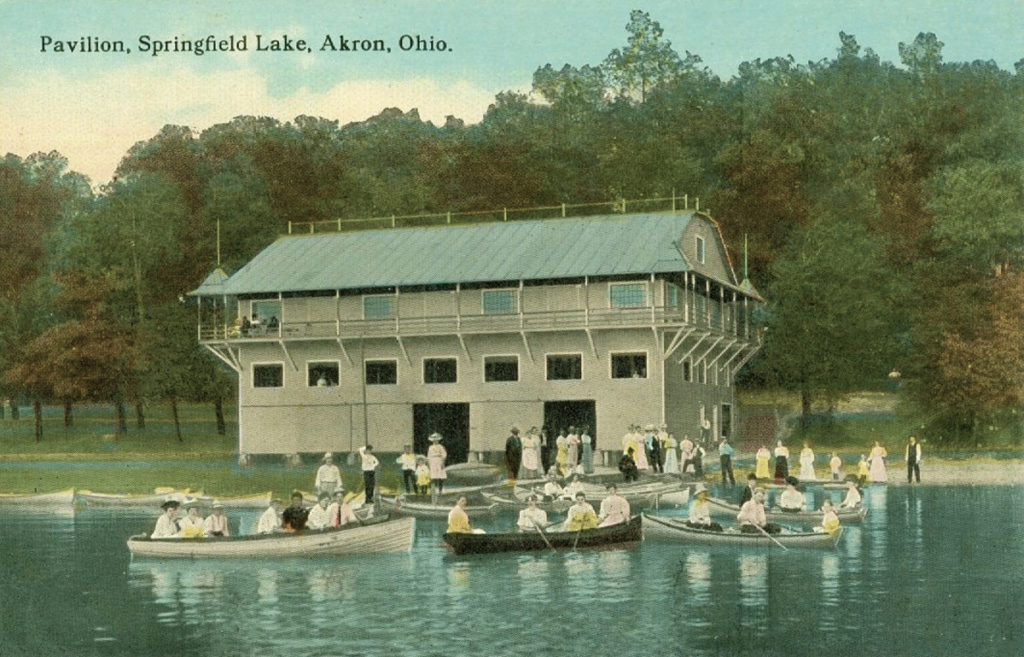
pixel 560 320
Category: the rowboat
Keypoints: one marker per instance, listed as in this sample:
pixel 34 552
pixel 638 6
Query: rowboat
pixel 625 534
pixel 674 529
pixel 516 499
pixel 475 473
pixel 378 535
pixel 106 500
pixel 855 514
pixel 401 506
pixel 37 500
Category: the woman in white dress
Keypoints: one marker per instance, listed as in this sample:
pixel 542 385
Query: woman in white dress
pixel 877 461
pixel 436 456
pixel 531 455
pixel 671 460
pixel 807 463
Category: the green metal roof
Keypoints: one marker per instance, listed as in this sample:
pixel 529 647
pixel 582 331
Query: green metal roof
pixel 500 251
pixel 212 285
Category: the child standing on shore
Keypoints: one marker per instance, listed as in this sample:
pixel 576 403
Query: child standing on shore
pixel 422 476
pixel 836 464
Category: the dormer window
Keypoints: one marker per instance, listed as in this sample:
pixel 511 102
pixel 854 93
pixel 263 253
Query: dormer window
pixel 701 250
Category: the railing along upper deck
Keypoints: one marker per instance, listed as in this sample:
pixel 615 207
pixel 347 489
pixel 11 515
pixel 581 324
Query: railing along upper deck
pixel 621 206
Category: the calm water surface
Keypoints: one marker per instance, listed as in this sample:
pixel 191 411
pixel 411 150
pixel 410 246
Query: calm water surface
pixel 932 571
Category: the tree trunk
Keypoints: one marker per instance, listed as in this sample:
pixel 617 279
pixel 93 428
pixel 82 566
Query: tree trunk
pixel 177 424
pixel 37 413
pixel 68 419
pixel 218 410
pixel 140 418
pixel 122 421
pixel 1 408
pixel 805 407
pixel 14 409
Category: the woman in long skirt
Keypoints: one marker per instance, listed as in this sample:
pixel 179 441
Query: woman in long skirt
pixel 764 457
pixel 531 455
pixel 807 463
pixel 671 460
pixel 781 462
pixel 588 450
pixel 572 455
pixel 436 456
pixel 877 460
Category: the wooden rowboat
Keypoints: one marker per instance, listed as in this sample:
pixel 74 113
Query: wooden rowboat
pixel 515 500
pixel 37 500
pixel 674 529
pixel 473 473
pixel 106 500
pixel 625 534
pixel 378 535
pixel 774 515
pixel 401 506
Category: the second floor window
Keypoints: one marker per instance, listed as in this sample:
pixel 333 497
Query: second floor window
pixel 701 250
pixel 499 302
pixel 629 366
pixel 268 376
pixel 381 372
pixel 627 295
pixel 379 306
pixel 562 367
pixel 501 368
pixel 440 370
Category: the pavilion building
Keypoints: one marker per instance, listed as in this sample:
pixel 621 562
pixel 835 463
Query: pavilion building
pixel 386 336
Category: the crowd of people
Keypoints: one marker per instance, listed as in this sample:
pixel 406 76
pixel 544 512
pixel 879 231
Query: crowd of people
pixel 193 524
pixel 656 450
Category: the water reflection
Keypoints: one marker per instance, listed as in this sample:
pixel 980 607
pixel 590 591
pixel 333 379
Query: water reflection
pixel 615 570
pixel 753 576
pixel 829 593
pixel 698 571
pixel 913 524
pixel 534 574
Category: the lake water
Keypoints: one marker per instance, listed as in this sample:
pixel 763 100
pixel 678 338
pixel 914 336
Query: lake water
pixel 932 571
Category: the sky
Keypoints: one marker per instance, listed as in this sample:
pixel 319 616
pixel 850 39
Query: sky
pixel 93 106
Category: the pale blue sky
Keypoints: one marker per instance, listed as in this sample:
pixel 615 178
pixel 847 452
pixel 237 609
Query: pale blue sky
pixel 93 107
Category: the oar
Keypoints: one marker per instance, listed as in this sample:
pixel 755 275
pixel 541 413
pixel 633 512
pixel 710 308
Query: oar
pixel 577 539
pixel 774 540
pixel 545 537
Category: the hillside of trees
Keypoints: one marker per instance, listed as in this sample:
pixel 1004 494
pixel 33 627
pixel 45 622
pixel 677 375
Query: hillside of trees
pixel 883 203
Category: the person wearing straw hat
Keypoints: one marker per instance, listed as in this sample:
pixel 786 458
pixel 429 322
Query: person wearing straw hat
pixel 829 519
pixel 270 521
pixel 369 465
pixel 614 508
pixel 167 525
pixel 436 457
pixel 532 517
pixel 700 511
pixel 192 523
pixel 407 463
pixel 328 477
pixel 853 498
pixel 216 524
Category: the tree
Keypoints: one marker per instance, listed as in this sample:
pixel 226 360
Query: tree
pixel 647 61
pixel 830 312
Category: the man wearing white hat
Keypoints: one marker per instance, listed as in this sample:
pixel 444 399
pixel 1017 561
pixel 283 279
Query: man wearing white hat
pixel 700 513
pixel 216 524
pixel 328 476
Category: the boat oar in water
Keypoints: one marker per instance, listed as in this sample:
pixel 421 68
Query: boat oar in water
pixel 577 539
pixel 545 537
pixel 774 540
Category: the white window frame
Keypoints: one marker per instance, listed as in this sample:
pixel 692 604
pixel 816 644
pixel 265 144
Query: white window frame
pixel 380 360
pixel 646 291
pixel 252 375
pixel 702 250
pixel 672 287
pixel 325 361
pixel 393 302
pixel 423 369
pixel 632 352
pixel 564 353
pixel 513 291
pixel 483 369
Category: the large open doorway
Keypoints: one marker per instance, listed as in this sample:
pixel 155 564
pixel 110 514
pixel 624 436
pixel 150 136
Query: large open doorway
pixel 560 415
pixel 449 420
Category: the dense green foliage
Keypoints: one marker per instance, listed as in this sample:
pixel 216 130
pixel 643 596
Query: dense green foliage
pixel 884 206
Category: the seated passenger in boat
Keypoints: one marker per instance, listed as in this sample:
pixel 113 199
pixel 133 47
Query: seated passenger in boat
pixel 216 524
pixel 294 517
pixel 614 508
pixel 627 466
pixel 700 512
pixel 791 500
pixel 752 517
pixel 552 490
pixel 340 511
pixel 829 520
pixel 532 517
pixel 270 521
pixel 458 519
pixel 318 518
pixel 573 487
pixel 167 525
pixel 852 499
pixel 580 515
pixel 192 523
